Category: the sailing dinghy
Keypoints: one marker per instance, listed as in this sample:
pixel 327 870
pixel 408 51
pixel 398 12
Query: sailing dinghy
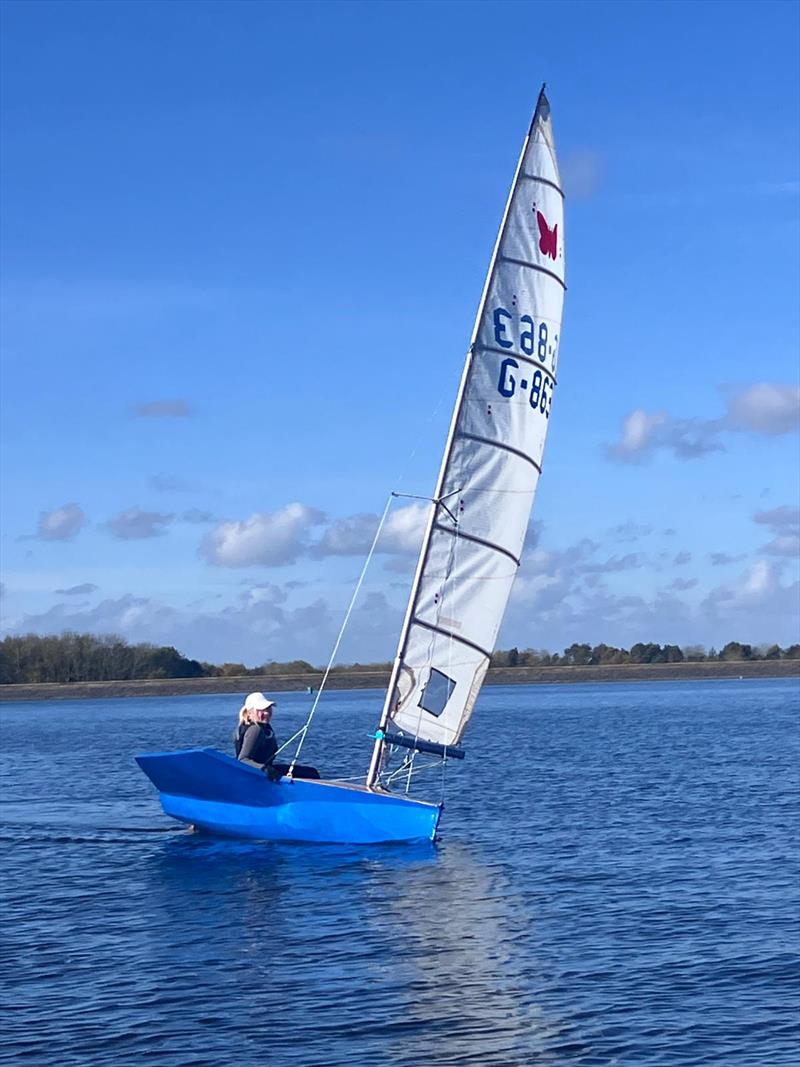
pixel 468 560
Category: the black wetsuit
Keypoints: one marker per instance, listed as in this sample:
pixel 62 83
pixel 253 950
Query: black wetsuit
pixel 257 743
pixel 238 734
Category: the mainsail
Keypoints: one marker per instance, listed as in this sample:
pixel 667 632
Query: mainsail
pixel 492 462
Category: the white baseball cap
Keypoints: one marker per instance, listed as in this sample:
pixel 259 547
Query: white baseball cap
pixel 257 702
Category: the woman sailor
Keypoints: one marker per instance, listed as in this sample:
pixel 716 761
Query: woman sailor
pixel 255 740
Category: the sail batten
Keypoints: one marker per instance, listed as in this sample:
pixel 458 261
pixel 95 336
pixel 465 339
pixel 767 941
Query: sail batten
pixel 523 359
pixel 450 636
pixel 533 266
pixel 544 181
pixel 476 541
pixel 478 520
pixel 503 445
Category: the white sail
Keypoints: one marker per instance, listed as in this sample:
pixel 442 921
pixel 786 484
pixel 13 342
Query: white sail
pixel 492 462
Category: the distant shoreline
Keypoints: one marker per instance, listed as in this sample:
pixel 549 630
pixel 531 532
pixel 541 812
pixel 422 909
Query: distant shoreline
pixel 282 683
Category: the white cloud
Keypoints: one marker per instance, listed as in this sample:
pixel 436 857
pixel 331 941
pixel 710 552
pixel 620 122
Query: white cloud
pixel 133 524
pixel 402 533
pixel 558 598
pixel 765 408
pixel 349 536
pixel 78 590
pixel 352 536
pixel 784 545
pixel 269 595
pixel 630 531
pixel 269 539
pixel 197 515
pixel 541 591
pixel 722 559
pixel 61 524
pixel 779 518
pixel 760 579
pixel 762 408
pixel 639 434
pixel 130 616
pixel 256 628
pixel 613 564
pixel 784 522
pixel 561 597
pixel 284 536
pixel 757 590
pixel 644 434
pixel 681 585
pixel 533 536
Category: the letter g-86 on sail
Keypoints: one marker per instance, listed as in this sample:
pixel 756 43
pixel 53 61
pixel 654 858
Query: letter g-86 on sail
pixel 539 386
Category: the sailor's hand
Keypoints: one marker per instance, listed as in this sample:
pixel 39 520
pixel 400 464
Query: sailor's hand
pixel 271 772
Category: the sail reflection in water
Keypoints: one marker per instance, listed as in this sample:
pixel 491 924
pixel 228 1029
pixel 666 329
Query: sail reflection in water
pixel 454 936
pixel 437 929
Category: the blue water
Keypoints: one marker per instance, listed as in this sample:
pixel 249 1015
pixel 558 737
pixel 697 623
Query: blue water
pixel 615 882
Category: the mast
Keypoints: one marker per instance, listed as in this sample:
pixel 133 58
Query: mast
pixel 377 752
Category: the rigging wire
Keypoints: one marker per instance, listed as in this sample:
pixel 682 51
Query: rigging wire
pixel 398 772
pixel 454 579
pixel 410 771
pixel 304 730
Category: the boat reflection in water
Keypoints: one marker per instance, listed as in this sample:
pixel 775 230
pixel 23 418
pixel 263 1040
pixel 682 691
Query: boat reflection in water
pixel 404 954
pixel 463 993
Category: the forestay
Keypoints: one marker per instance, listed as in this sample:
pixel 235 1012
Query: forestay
pixel 492 462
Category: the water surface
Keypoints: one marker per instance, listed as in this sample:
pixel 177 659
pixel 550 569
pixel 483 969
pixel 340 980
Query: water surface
pixel 615 883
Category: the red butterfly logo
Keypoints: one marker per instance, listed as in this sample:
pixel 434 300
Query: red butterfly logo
pixel 548 239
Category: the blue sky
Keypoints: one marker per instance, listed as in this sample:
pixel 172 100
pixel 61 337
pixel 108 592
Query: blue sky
pixel 242 249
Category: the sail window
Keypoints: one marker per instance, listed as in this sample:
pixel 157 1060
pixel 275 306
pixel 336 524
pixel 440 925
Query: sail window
pixel 436 692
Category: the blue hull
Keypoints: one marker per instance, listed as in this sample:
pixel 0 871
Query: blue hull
pixel 216 793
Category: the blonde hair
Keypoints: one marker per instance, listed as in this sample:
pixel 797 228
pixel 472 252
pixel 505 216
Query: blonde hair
pixel 244 715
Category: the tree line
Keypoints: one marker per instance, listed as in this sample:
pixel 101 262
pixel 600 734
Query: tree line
pixel 71 657
pixel 584 655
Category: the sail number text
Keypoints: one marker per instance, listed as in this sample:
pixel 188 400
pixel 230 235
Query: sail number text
pixel 533 340
pixel 541 395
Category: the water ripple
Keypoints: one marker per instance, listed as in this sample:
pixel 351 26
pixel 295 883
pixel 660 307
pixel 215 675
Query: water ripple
pixel 616 883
